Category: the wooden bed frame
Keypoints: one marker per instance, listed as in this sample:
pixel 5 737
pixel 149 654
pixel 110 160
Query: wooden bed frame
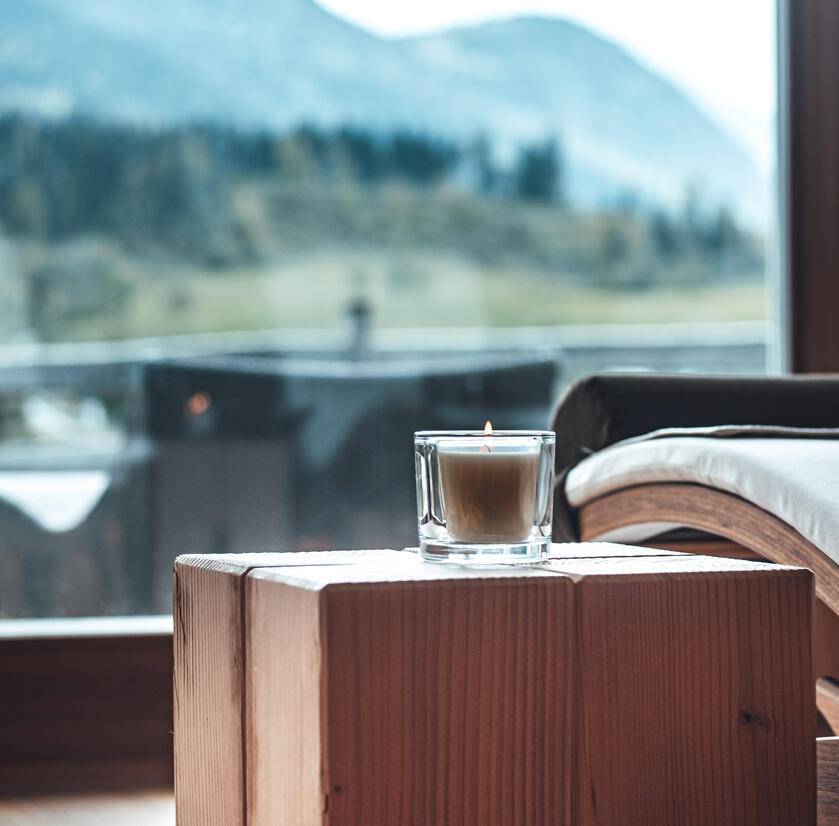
pixel 718 513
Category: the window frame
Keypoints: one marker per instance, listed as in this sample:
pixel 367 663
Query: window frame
pixel 86 704
pixel 808 109
pixel 71 682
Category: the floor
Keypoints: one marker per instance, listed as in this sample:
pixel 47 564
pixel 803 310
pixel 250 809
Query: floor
pixel 156 808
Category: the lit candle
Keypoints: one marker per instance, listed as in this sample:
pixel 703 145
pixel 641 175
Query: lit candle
pixel 489 488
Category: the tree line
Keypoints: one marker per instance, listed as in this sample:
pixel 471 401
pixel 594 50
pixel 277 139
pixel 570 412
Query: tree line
pixel 220 196
pixel 60 178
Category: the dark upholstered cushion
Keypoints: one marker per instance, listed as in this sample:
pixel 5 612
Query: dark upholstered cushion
pixel 603 409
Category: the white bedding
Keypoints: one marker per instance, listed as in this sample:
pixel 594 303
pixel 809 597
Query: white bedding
pixel 797 479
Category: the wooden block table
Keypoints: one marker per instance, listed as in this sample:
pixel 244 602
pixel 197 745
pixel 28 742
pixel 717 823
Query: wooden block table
pixel 607 685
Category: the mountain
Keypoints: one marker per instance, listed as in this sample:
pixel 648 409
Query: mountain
pixel 275 63
pixel 619 122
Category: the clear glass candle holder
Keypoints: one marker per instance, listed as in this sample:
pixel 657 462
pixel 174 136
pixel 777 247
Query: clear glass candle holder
pixel 484 497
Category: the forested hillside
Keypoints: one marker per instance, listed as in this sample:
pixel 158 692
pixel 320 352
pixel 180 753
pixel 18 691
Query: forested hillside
pixel 109 228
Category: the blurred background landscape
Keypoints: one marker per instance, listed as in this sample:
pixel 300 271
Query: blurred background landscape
pixel 524 171
pixel 246 248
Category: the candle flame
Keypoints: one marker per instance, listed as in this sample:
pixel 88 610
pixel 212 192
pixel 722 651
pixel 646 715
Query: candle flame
pixel 488 428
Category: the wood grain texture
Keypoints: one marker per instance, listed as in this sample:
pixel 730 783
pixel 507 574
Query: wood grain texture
pixel 827 749
pixel 827 702
pixel 146 808
pixel 85 713
pixel 826 642
pixel 209 654
pixel 586 691
pixel 708 509
pixel 283 734
pixel 826 666
pixel 689 685
pixel 424 717
pixel 825 628
pixel 460 710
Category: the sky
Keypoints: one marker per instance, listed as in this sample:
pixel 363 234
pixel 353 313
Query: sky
pixel 719 51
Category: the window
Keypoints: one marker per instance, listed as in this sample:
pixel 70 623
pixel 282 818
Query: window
pixel 233 284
